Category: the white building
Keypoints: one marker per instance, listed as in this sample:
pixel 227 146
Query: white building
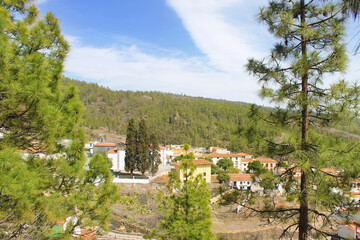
pixel 236 158
pixel 166 154
pixel 243 181
pixel 117 157
pixel 349 231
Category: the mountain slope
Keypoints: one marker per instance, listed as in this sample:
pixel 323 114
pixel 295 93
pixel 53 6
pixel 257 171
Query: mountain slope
pixel 175 118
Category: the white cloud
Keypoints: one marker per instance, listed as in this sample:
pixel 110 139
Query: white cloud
pixel 228 46
pixel 219 74
pixel 130 68
pixel 224 30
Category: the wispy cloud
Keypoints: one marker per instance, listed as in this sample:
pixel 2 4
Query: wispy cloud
pixel 130 68
pixel 219 74
pixel 224 30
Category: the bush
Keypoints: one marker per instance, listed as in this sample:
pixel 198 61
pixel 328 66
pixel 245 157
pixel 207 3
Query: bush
pixel 252 201
pixel 290 198
pixel 230 198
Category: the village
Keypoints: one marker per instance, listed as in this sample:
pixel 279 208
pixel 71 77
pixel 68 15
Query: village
pixel 243 180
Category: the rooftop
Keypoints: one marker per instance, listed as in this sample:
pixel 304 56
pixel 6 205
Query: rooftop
pixel 196 162
pixel 235 177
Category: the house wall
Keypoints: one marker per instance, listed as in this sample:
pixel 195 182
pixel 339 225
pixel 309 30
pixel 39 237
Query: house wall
pixel 346 232
pixel 118 160
pixel 114 159
pixel 203 170
pixel 102 149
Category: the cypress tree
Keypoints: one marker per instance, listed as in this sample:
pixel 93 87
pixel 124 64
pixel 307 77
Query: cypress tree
pixel 154 157
pixel 131 147
pixel 311 47
pixel 143 148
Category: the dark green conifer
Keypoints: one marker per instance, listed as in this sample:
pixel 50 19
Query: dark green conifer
pixel 131 147
pixel 143 148
pixel 154 157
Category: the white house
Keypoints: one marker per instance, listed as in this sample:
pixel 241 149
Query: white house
pixel 166 154
pixel 268 163
pixel 235 157
pixel 218 150
pixel 244 181
pixel 117 157
pixel 349 231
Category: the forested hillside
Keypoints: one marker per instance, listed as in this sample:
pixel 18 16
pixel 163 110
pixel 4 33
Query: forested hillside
pixel 175 118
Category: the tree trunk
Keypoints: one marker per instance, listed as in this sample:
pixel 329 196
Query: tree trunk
pixel 304 185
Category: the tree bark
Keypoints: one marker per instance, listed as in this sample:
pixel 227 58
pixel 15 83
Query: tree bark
pixel 304 185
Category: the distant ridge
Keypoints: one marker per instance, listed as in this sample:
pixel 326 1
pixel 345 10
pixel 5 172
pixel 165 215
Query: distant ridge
pixel 177 118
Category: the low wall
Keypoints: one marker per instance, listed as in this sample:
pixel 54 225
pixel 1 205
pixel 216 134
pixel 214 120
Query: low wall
pixel 131 180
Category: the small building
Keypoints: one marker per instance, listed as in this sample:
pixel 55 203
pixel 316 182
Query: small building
pixel 268 163
pixel 203 168
pixel 103 147
pixel 236 158
pixel 117 157
pixel 218 150
pixel 241 181
pixel 244 165
pixel 349 230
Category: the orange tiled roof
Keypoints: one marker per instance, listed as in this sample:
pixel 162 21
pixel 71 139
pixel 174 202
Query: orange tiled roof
pixel 235 177
pixel 196 162
pixel 161 179
pixel 114 150
pixel 243 154
pixel 105 145
pixel 265 160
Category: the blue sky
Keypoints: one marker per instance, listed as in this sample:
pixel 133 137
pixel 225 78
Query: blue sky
pixel 192 47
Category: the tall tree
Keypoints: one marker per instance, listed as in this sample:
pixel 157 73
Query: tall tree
pixel 131 147
pixel 154 157
pixel 310 48
pixel 186 206
pixel 143 148
pixel 35 114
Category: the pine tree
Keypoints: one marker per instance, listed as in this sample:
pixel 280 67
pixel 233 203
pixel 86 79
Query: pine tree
pixel 143 148
pixel 154 157
pixel 186 207
pixel 311 47
pixel 35 114
pixel 131 147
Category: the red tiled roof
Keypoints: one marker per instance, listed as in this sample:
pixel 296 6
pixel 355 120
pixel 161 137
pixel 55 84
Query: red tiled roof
pixel 105 145
pixel 243 154
pixel 235 177
pixel 161 179
pixel 196 162
pixel 114 150
pixel 265 160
